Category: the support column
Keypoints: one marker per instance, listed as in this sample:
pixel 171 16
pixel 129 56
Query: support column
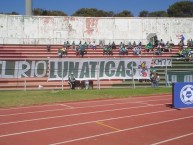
pixel 28 7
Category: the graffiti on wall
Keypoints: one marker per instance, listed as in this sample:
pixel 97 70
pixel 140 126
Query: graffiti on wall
pixel 91 26
pixel 42 28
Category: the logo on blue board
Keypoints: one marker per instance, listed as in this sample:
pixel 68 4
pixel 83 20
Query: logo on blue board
pixel 186 94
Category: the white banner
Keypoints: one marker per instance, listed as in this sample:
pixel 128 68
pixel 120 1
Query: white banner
pixel 94 69
pixel 162 62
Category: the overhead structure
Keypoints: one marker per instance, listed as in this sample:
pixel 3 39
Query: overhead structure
pixel 28 7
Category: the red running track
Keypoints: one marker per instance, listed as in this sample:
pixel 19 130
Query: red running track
pixel 136 121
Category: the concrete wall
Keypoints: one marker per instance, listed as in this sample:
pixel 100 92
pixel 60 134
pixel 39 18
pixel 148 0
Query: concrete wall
pixel 55 30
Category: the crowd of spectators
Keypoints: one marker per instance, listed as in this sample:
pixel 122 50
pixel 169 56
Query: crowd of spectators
pixel 156 47
pixel 186 52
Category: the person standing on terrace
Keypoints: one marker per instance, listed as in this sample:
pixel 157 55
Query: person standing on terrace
pixel 73 45
pixel 149 47
pixel 94 45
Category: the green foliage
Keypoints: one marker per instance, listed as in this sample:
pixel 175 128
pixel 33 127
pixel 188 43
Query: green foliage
pixel 124 13
pixel 144 13
pixel 153 14
pixel 12 13
pixel 92 12
pixel 41 12
pixel 158 14
pixel 181 9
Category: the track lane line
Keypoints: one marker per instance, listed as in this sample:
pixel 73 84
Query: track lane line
pixel 89 122
pixel 105 125
pixel 82 107
pixel 123 130
pixel 70 107
pixel 86 101
pixel 172 139
pixel 69 115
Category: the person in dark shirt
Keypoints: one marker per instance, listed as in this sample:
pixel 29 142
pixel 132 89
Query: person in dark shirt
pixel 71 81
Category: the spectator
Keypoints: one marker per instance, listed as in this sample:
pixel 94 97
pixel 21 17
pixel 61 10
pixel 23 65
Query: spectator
pixel 168 47
pixel 64 51
pixel 59 53
pixel 73 45
pixel 93 45
pixel 123 50
pixel 67 45
pixel 162 43
pixel 72 81
pixel 171 43
pixel 134 44
pixel 190 43
pixel 80 43
pixel 86 45
pixel 101 43
pixel 130 46
pixel 137 49
pixel 159 50
pixel 149 47
pixel 82 50
pixel 189 55
pixel 140 44
pixel 121 44
pixel 182 52
pixel 182 39
pixel 157 80
pixel 107 50
pixel 156 41
pixel 113 46
pixel 86 82
pixel 48 48
pixel 110 46
pixel 78 48
pixel 153 79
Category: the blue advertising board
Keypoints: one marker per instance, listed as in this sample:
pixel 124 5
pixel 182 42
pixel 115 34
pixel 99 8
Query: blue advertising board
pixel 182 95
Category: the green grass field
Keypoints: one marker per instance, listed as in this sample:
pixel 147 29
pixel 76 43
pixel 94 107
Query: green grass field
pixel 22 98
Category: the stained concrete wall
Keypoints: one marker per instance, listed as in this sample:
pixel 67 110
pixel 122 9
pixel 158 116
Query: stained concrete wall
pixel 56 30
